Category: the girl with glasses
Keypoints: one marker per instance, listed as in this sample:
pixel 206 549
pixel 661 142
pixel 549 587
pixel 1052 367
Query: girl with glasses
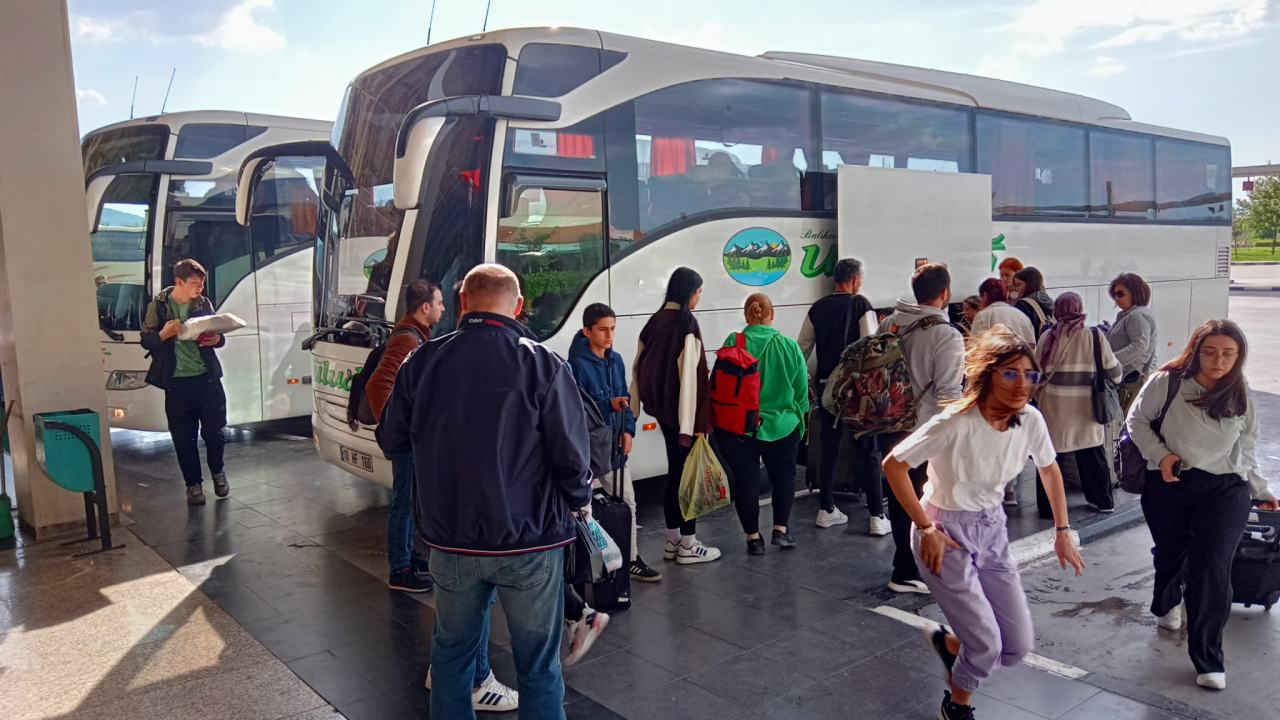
pixel 1070 353
pixel 1201 473
pixel 1133 336
pixel 961 543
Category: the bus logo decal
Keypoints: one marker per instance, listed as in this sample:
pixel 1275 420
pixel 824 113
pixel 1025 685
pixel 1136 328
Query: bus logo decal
pixel 757 256
pixel 809 266
pixel 332 377
pixel 374 259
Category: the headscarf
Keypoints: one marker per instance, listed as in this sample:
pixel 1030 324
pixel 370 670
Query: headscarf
pixel 1068 313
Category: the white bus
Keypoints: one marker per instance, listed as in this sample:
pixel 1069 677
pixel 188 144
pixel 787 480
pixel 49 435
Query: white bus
pixel 595 164
pixel 161 189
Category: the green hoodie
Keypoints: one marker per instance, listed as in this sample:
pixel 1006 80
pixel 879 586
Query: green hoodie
pixel 784 381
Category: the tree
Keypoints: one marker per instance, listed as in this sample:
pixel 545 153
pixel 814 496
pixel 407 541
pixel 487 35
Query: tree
pixel 1260 212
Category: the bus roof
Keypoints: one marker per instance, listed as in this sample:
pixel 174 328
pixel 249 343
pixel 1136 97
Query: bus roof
pixel 175 121
pixel 902 80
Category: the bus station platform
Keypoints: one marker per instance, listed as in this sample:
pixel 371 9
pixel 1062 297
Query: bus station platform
pixel 272 603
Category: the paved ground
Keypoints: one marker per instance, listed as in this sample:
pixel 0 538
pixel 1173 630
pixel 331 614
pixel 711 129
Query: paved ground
pixel 1256 274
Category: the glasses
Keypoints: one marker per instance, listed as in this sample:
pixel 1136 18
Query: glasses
pixel 1012 376
pixel 1120 294
pixel 1214 356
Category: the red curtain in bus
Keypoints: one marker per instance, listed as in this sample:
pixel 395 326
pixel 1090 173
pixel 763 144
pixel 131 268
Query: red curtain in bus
pixel 770 154
pixel 575 145
pixel 669 156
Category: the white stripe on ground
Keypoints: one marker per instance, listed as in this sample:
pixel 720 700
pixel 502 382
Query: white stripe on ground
pixel 1036 661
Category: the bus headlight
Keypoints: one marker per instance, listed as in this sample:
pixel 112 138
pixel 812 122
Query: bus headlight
pixel 127 380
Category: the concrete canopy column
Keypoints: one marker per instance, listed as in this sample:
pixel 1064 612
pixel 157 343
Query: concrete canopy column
pixel 50 352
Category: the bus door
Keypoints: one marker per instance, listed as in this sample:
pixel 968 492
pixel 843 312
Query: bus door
pixel 895 220
pixel 212 238
pixel 551 234
pixel 283 232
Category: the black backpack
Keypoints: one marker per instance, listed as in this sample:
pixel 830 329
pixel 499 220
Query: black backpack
pixel 359 411
pixel 600 434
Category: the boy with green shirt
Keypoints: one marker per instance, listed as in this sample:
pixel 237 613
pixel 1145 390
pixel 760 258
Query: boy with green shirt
pixel 784 400
pixel 189 373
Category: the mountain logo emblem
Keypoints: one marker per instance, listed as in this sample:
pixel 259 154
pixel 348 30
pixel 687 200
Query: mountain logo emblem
pixel 757 256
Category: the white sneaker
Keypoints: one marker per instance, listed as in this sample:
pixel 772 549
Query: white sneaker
pixel 831 519
pixel 910 586
pixel 699 553
pixel 583 634
pixel 493 696
pixel 1171 620
pixel 1213 681
pixel 880 526
pixel 1010 497
pixel 670 550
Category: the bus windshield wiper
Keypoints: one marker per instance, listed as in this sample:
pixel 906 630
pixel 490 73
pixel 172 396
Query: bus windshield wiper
pixel 361 329
pixel 117 337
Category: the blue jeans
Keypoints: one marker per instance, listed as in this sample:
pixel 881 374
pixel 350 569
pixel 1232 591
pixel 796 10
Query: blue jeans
pixel 400 514
pixel 530 588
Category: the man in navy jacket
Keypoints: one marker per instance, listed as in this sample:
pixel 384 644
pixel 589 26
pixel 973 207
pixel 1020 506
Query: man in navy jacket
pixel 602 374
pixel 502 460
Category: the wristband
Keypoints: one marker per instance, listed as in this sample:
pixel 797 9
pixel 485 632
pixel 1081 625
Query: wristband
pixel 1064 527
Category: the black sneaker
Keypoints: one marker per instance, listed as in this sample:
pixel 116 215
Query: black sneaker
pixel 952 711
pixel 419 563
pixel 642 572
pixel 195 495
pixel 936 636
pixel 220 486
pixel 755 546
pixel 783 539
pixel 410 581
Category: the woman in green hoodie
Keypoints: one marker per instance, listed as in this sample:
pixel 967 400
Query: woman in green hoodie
pixel 784 399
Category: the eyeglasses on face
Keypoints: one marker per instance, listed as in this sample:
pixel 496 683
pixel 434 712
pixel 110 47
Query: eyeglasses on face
pixel 1012 376
pixel 1210 355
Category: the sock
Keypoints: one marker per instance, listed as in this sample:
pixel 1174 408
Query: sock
pixel 687 541
pixel 673 536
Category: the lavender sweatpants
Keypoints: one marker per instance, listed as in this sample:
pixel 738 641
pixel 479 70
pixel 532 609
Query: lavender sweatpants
pixel 980 593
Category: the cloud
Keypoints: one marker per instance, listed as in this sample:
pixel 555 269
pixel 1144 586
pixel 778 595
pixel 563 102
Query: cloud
pixel 239 30
pixel 1107 65
pixel 89 98
pixel 229 24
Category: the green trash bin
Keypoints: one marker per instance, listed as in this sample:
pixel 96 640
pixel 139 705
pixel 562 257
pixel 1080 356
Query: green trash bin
pixel 63 456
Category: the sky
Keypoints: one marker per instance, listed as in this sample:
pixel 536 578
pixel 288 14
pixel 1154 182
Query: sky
pixel 1202 65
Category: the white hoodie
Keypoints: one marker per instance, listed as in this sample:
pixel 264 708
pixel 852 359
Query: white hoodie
pixel 934 355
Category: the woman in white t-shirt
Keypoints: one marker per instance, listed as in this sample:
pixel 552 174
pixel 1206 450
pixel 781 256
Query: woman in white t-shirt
pixel 961 543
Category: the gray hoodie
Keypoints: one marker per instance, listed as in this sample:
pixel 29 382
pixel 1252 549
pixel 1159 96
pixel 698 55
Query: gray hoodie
pixel 934 355
pixel 1133 339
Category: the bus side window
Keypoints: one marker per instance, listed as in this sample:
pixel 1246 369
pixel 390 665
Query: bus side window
pixel 217 242
pixel 285 208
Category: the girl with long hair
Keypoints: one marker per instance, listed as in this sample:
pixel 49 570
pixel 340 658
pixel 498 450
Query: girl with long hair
pixel 1202 471
pixel 1032 299
pixel 1067 354
pixel 961 543
pixel 670 380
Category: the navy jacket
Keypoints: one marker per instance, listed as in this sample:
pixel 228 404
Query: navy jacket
pixel 499 440
pixel 603 378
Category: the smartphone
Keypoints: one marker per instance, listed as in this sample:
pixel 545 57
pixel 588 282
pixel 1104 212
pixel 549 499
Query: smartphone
pixel 1177 468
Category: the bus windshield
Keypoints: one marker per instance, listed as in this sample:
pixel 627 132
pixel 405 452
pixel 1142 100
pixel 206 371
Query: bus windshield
pixel 361 243
pixel 109 147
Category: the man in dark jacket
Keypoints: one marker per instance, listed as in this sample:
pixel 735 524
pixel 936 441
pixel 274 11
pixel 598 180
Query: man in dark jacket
pixel 502 461
pixel 602 374
pixel 190 375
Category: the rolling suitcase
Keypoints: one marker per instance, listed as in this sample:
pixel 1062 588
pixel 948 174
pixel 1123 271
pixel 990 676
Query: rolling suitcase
pixel 1255 570
pixel 613 593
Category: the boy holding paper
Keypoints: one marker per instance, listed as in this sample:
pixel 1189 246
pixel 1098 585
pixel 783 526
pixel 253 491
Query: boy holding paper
pixel 190 375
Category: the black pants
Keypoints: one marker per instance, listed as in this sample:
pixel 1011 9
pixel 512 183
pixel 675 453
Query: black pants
pixel 866 466
pixel 1196 524
pixel 741 455
pixel 1095 480
pixel 904 561
pixel 676 455
pixel 196 407
pixel 573 604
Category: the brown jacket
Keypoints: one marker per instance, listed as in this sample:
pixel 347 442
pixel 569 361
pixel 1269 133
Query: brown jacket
pixel 398 348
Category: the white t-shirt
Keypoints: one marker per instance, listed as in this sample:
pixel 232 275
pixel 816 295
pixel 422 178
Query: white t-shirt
pixel 970 462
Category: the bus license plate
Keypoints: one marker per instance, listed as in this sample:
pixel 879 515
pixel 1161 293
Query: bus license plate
pixel 356 459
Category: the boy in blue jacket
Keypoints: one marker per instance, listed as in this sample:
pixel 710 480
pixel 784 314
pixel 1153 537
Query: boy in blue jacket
pixel 602 373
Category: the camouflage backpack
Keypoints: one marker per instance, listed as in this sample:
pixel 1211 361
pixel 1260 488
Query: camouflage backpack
pixel 870 390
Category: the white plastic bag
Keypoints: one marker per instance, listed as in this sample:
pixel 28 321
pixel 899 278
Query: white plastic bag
pixel 221 323
pixel 612 554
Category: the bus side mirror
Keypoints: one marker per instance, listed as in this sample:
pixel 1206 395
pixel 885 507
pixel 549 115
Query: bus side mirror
pixel 250 173
pixel 255 165
pixel 410 165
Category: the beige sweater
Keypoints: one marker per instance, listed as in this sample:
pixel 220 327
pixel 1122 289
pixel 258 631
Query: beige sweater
pixel 1066 401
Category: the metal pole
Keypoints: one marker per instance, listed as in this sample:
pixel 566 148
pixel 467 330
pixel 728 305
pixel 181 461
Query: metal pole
pixel 431 21
pixel 488 5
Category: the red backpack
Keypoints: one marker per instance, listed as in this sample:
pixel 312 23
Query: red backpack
pixel 735 388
